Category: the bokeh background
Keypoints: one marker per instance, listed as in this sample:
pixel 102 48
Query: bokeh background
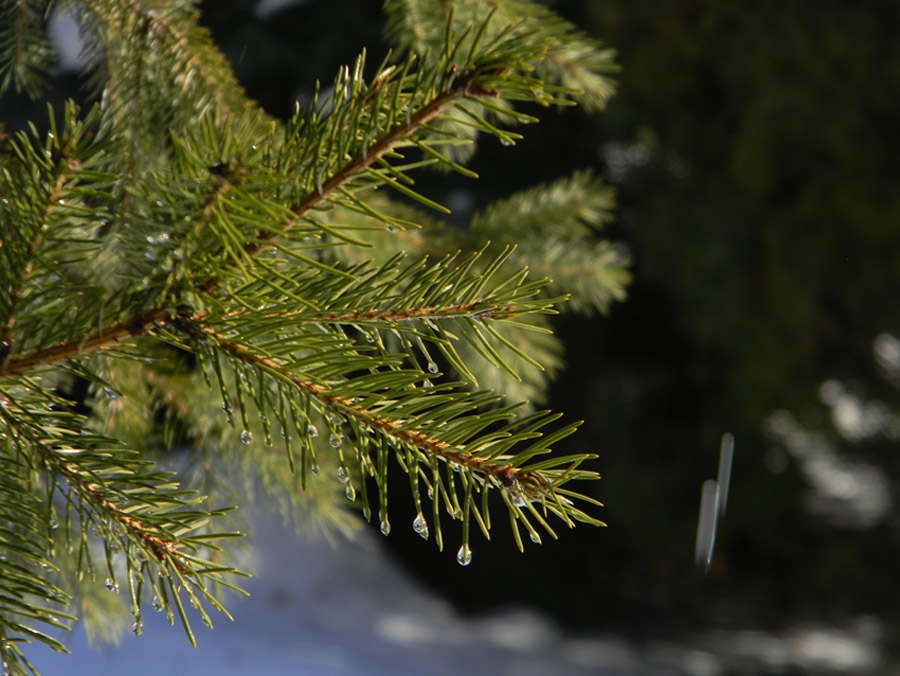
pixel 754 149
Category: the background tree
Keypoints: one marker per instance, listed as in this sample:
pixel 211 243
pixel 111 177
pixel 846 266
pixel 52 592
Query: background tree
pixel 188 281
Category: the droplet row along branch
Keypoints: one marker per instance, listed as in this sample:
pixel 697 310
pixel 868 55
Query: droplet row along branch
pixel 508 476
pixel 163 549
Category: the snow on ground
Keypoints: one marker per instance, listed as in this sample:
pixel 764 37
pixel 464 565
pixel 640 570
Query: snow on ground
pixel 343 611
pixel 321 610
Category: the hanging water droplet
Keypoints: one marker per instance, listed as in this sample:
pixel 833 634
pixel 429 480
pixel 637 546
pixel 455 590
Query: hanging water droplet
pixel 343 475
pixel 313 432
pixel 227 407
pixel 137 628
pixel 54 524
pixel 314 468
pixel 421 526
pixel 109 393
pixel 350 492
pixel 157 606
pixel 506 141
pixel 246 437
pixel 455 466
pixel 464 556
pixel 385 527
pixel 370 338
pixel 535 538
pixel 518 500
pixel 112 585
pixel 391 228
pixel 244 379
pixel 151 239
pixel 432 367
pixel 194 603
pixel 207 621
pixel 426 383
pixel 163 238
pixel 335 440
pixel 431 494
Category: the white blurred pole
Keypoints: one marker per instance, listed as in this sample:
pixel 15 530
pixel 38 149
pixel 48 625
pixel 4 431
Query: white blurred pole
pixel 713 501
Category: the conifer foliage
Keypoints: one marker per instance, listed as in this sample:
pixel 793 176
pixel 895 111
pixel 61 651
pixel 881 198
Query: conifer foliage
pixel 187 283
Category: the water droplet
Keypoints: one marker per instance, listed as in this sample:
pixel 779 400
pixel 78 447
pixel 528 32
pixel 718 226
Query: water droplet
pixel 112 585
pixel 385 527
pixel 207 621
pixel 109 393
pixel 343 475
pixel 455 466
pixel 150 255
pixel 518 500
pixel 227 407
pixel 313 432
pixel 431 494
pixel 350 492
pixel 464 556
pixel 137 628
pixel 335 440
pixel 246 437
pixel 535 538
pixel 314 468
pixel 157 606
pixel 432 367
pixel 163 238
pixel 194 603
pixel 54 524
pixel 244 379
pixel 421 526
pixel 151 239
pixel 506 142
pixel 370 338
pixel 391 228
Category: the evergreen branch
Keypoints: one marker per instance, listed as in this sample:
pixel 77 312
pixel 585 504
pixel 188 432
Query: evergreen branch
pixel 477 310
pixel 25 54
pixel 175 26
pixel 505 474
pixel 110 488
pixel 572 59
pixel 359 165
pixel 38 234
pixel 134 327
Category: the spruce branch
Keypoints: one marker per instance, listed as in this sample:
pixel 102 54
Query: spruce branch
pixel 25 54
pixel 177 247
